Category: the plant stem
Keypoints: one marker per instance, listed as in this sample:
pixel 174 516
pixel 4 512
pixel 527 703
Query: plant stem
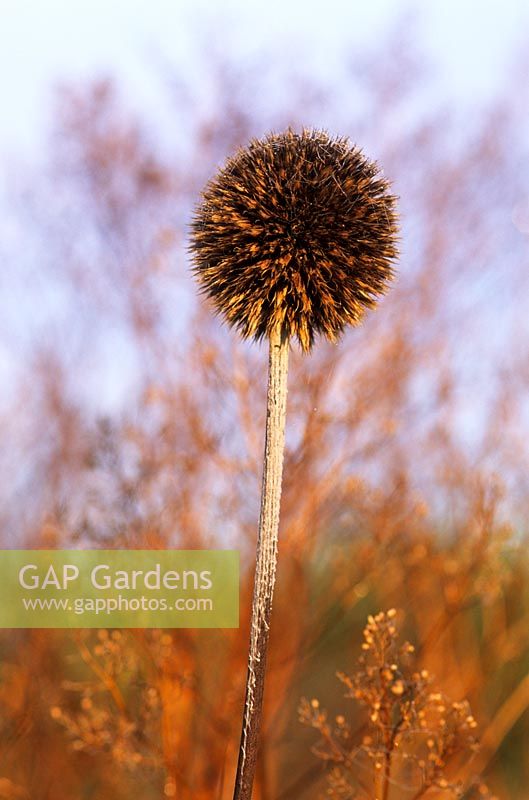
pixel 266 562
pixel 387 773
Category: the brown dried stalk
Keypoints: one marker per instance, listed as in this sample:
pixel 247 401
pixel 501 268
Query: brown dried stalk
pixel 266 562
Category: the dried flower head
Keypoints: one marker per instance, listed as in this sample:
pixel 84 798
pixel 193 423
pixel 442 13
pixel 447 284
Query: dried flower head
pixel 414 737
pixel 297 231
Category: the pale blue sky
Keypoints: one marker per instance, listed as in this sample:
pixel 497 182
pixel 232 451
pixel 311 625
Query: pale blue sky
pixel 471 43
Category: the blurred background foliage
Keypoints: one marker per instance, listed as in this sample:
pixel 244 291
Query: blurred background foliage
pixel 132 418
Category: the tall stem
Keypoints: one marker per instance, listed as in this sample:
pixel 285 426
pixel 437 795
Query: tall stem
pixel 266 562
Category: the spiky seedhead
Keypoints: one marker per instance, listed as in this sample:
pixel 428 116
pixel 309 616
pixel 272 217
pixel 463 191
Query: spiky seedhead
pixel 297 231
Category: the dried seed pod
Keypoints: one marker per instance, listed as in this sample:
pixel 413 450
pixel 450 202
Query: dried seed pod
pixel 297 231
pixel 295 236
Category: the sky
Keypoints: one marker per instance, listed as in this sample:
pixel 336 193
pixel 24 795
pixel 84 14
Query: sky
pixel 471 45
pixel 470 42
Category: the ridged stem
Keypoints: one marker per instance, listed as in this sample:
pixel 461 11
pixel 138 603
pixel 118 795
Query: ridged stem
pixel 266 563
